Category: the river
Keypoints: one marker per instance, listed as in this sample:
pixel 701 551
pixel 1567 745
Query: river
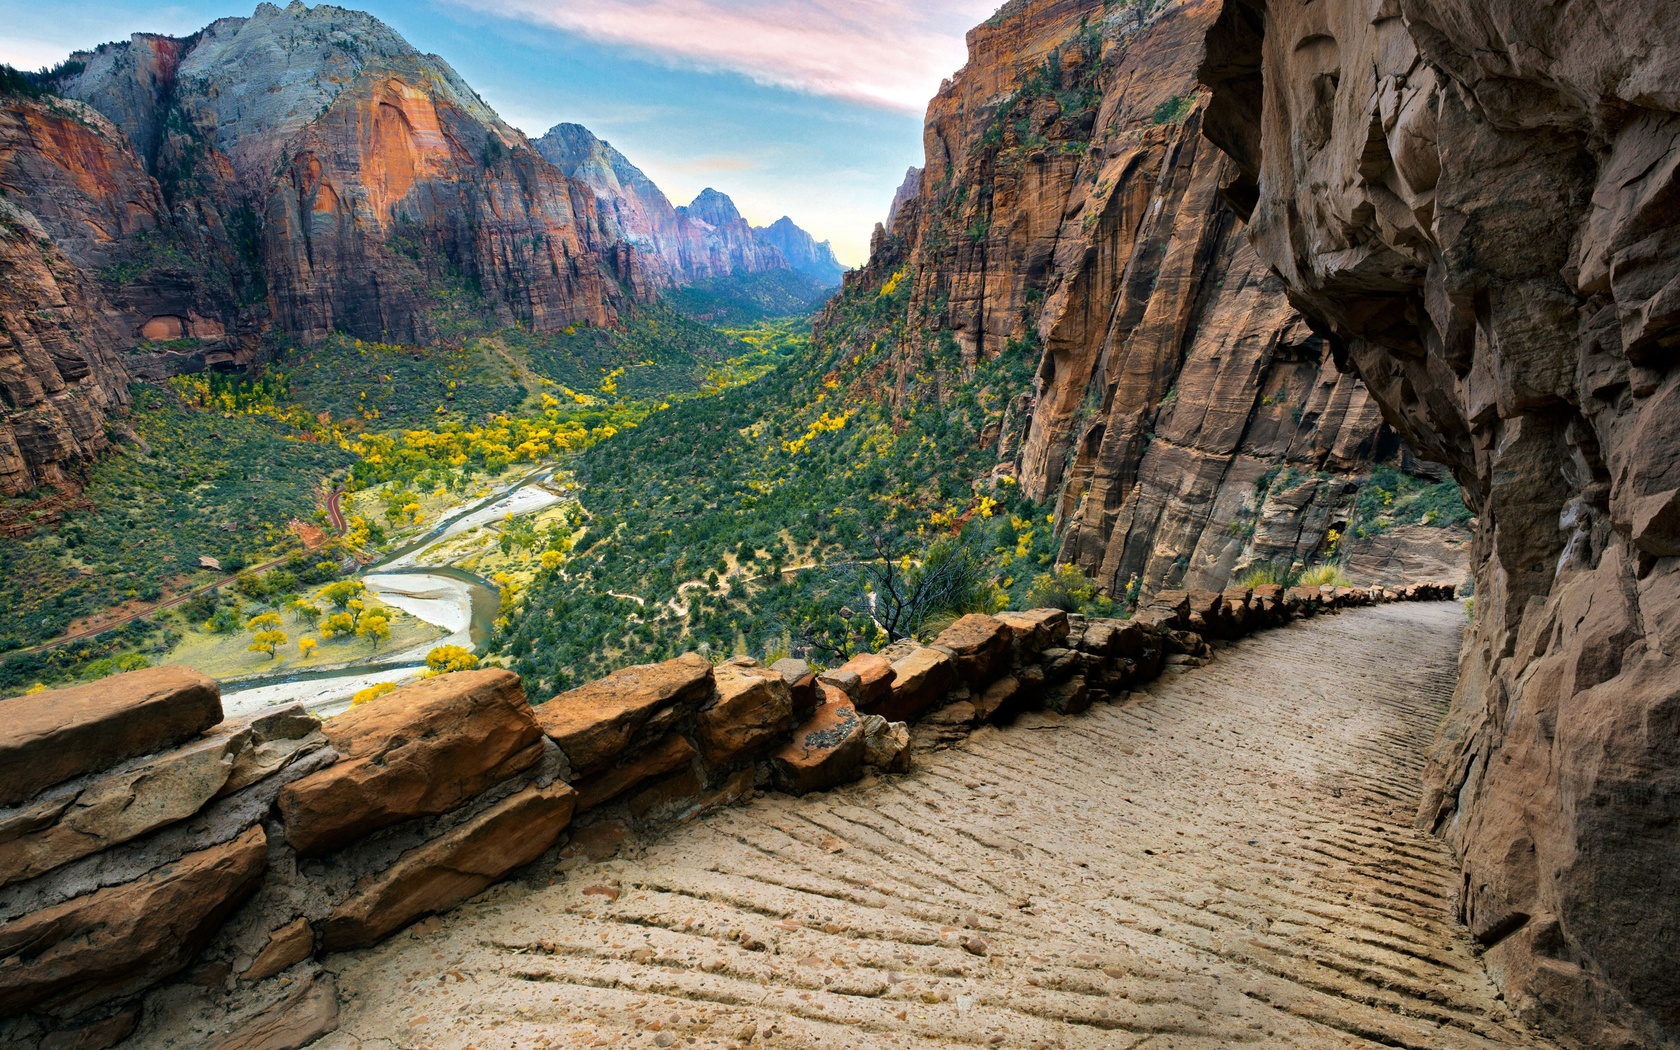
pixel 460 603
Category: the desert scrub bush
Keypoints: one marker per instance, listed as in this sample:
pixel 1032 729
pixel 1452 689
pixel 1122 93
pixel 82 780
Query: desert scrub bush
pixel 1325 576
pixel 1269 574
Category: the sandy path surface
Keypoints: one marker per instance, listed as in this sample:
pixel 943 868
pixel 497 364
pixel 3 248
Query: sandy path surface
pixel 1225 860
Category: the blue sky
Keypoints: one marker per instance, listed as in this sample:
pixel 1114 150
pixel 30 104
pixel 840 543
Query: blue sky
pixel 810 108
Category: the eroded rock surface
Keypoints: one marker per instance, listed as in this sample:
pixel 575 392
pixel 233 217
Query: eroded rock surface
pixel 1183 419
pixel 1478 199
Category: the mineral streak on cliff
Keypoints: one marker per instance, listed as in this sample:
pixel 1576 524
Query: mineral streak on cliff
pixel 1480 199
pixel 1070 211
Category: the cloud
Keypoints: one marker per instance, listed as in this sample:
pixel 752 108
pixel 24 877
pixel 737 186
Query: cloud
pixel 889 53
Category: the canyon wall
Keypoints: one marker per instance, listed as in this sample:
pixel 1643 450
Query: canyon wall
pixel 1480 204
pixel 60 377
pixel 1185 421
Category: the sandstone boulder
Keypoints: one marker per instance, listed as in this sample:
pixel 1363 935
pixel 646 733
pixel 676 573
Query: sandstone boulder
pixel 63 733
pixel 886 745
pixel 750 708
pixel 113 809
pixel 453 867
pixel 826 751
pixel 118 941
pixel 1035 630
pixel 666 756
pixel 982 645
pixel 598 723
pixel 920 681
pixel 419 751
pixel 875 678
pixel 803 685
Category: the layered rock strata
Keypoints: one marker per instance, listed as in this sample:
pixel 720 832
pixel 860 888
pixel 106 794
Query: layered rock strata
pixel 1478 201
pixel 1069 215
pixel 169 842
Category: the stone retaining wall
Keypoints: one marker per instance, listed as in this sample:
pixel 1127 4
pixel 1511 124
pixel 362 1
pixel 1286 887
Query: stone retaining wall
pixel 153 856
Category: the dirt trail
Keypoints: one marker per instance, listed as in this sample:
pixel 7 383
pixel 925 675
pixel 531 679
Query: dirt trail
pixel 1226 860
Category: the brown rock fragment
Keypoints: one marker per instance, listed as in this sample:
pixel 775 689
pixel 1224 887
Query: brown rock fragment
pixel 419 751
pixel 291 1024
pixel 826 751
pixel 287 946
pixel 50 737
pixel 598 723
pixel 451 868
pixel 123 939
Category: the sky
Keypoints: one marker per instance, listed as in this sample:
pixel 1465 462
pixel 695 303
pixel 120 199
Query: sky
pixel 808 108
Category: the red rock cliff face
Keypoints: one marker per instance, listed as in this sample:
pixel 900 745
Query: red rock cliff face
pixel 1070 211
pixel 338 179
pixel 60 378
pixel 1481 200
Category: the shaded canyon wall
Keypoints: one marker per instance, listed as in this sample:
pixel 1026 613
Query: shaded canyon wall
pixel 1482 202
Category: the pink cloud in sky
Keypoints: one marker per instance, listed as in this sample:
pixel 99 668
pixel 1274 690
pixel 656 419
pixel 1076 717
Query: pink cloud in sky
pixel 889 53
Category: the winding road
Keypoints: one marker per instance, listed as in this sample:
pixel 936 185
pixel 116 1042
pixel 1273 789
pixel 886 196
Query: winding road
pixel 1224 860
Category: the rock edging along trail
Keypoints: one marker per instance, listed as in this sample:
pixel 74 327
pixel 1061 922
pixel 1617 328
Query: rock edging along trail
pixel 273 843
pixel 1225 859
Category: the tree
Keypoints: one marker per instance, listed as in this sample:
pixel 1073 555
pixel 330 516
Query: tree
pixel 342 593
pixel 338 624
pixel 448 659
pixel 375 628
pixel 307 647
pixel 306 612
pixel 267 637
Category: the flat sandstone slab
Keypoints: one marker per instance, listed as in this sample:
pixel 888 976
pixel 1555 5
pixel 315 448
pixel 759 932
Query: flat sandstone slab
pixel 47 738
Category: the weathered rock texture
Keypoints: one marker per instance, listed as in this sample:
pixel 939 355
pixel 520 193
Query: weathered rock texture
pixel 59 367
pixel 1184 420
pixel 1479 201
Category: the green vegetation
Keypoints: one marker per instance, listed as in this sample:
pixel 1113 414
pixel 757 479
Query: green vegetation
pixel 1174 110
pixel 1391 498
pixel 197 484
pixel 734 522
pixel 750 298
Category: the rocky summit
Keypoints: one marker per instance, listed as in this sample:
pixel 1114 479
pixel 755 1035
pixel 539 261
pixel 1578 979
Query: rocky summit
pixel 1211 577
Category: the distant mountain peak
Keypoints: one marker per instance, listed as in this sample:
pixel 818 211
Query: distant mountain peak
pixel 714 209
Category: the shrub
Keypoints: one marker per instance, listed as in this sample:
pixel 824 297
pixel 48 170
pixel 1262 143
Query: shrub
pixel 1325 576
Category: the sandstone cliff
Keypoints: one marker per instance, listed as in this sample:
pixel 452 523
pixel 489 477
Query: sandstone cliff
pixel 1478 199
pixel 61 378
pixel 678 246
pixel 364 177
pixel 1184 420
